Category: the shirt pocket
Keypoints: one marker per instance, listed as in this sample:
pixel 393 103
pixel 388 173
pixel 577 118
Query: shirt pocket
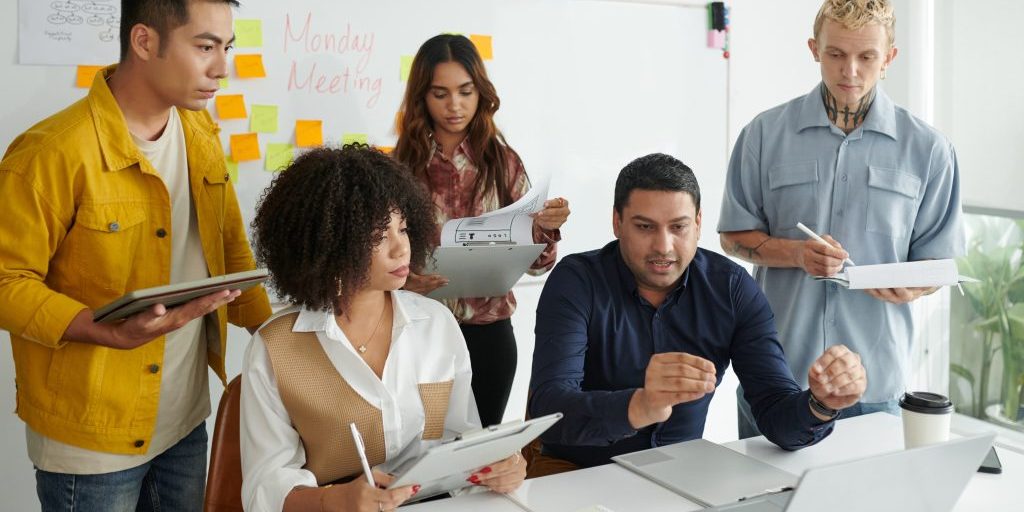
pixel 792 195
pixel 105 238
pixel 435 397
pixel 892 201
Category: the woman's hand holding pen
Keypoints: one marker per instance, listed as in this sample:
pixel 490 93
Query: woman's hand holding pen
pixel 357 495
pixel 503 476
pixel 554 214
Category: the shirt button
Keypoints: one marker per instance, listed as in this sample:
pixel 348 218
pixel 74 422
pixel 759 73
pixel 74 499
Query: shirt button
pixel 153 368
pixel 844 177
pixel 139 443
pixel 114 227
pixel 839 213
pixel 160 233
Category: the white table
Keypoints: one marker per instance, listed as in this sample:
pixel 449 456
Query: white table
pixel 614 489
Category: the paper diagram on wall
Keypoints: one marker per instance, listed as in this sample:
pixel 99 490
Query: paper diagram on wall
pixel 68 31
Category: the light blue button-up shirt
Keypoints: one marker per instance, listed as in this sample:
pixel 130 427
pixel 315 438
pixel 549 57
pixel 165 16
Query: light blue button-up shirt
pixel 889 192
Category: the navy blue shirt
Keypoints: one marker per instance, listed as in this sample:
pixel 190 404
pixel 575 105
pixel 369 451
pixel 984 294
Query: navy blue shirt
pixel 596 335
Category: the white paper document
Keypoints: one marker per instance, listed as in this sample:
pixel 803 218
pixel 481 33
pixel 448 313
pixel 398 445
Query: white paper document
pixel 911 274
pixel 511 224
pixel 68 32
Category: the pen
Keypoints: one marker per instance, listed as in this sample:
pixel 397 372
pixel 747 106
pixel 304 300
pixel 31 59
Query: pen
pixel 813 235
pixel 361 449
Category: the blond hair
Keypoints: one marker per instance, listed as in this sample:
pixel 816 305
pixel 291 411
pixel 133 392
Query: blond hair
pixel 854 14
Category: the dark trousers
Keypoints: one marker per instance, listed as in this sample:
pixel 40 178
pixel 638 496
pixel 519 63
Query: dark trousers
pixel 492 353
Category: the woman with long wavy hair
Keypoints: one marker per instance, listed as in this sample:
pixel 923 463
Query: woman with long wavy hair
pixel 447 136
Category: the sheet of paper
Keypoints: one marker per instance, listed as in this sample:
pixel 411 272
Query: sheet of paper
pixel 309 133
pixel 511 224
pixel 230 106
pixel 911 274
pixel 68 32
pixel 250 66
pixel 85 74
pixel 245 147
pixel 263 119
pixel 248 33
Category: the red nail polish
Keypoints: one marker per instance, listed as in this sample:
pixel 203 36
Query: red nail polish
pixel 415 489
pixel 486 470
pixel 474 479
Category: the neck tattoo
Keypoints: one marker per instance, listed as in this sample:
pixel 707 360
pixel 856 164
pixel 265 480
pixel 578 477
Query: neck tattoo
pixel 846 119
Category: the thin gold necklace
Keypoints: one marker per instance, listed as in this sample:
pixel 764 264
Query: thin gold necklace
pixel 362 348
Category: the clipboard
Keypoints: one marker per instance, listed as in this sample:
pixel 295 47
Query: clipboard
pixel 481 270
pixel 446 466
pixel 176 294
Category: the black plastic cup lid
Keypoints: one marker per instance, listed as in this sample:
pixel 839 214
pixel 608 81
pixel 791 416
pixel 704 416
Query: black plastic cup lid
pixel 926 403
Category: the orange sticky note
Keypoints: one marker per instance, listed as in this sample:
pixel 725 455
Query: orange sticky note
pixel 245 147
pixel 309 133
pixel 249 66
pixel 84 76
pixel 483 45
pixel 230 106
pixel 386 149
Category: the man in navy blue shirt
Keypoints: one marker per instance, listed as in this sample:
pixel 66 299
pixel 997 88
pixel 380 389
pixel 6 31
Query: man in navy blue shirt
pixel 633 338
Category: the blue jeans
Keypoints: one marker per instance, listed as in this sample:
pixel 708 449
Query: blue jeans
pixel 172 481
pixel 748 427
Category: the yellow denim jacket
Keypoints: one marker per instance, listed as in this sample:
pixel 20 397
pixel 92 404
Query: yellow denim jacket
pixel 84 218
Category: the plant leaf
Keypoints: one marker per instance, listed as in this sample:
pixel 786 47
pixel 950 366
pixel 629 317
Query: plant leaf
pixel 963 373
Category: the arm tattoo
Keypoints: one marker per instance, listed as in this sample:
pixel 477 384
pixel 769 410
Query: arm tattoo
pixel 846 119
pixel 747 253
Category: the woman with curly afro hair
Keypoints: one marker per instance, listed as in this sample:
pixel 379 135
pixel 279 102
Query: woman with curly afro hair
pixel 339 231
pixel 447 136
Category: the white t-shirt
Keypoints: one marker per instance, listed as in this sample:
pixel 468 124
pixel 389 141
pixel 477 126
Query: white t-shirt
pixel 184 383
pixel 427 346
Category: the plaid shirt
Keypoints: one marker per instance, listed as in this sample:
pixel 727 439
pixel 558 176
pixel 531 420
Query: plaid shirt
pixel 451 188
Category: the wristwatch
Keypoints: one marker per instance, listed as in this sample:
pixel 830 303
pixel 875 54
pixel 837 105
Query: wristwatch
pixel 821 408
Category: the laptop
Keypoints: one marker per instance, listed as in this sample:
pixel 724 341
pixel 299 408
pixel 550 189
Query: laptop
pixel 926 479
pixel 694 469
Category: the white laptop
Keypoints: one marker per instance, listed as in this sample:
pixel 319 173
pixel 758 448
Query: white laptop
pixel 694 469
pixel 926 479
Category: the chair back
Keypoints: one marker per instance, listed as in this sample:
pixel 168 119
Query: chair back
pixel 224 479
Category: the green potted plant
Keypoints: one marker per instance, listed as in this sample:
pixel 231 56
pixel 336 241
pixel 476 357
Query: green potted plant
pixel 994 257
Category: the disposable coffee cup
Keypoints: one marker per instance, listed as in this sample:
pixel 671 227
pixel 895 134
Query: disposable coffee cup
pixel 925 418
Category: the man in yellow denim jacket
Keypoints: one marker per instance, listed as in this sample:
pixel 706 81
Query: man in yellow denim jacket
pixel 86 218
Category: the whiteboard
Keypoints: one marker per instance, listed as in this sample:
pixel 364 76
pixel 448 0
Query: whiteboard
pixel 586 86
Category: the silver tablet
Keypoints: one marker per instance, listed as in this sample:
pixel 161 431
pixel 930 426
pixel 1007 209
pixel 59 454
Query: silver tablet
pixel 446 467
pixel 176 294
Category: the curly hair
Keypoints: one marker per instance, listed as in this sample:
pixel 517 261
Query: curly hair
pixel 319 220
pixel 414 126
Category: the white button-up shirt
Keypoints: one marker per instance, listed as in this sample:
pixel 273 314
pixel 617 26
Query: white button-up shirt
pixel 427 346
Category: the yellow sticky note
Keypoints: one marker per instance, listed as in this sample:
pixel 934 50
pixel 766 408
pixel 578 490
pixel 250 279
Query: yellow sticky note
pixel 223 83
pixel 263 119
pixel 309 133
pixel 483 45
pixel 279 157
pixel 232 169
pixel 249 66
pixel 230 106
pixel 350 138
pixel 84 76
pixel 245 147
pixel 248 33
pixel 405 67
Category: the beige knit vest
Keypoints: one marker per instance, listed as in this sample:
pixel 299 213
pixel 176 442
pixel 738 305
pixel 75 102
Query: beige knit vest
pixel 321 404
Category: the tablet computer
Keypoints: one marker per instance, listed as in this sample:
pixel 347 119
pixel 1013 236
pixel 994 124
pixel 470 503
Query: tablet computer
pixel 445 467
pixel 176 294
